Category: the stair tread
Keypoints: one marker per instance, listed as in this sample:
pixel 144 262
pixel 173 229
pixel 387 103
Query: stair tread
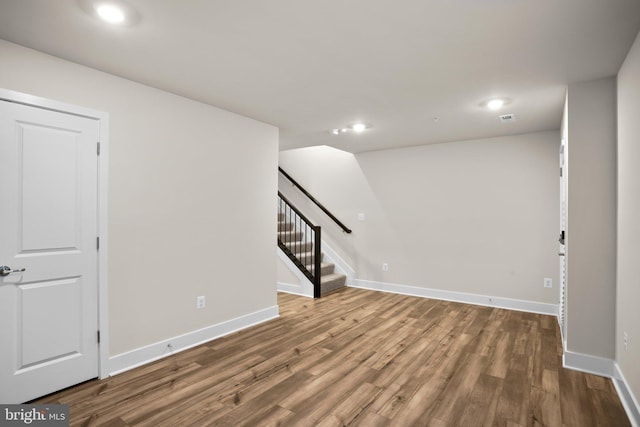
pixel 308 254
pixel 324 266
pixel 297 243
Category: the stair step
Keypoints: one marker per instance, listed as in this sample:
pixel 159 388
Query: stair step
pixel 325 268
pixel 297 247
pixel 332 282
pixel 285 226
pixel 289 236
pixel 307 257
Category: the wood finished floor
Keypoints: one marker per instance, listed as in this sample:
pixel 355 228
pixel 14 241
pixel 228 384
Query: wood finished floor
pixel 360 358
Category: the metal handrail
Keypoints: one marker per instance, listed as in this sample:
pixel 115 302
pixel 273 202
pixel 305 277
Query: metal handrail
pixel 296 210
pixel 314 200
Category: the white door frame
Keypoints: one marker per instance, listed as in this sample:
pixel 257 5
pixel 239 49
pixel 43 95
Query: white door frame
pixel 562 244
pixel 103 161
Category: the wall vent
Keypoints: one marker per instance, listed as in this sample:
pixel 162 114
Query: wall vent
pixel 507 118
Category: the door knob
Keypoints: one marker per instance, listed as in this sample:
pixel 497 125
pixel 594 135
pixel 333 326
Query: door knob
pixel 5 270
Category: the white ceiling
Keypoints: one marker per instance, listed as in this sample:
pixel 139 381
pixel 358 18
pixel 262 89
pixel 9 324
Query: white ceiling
pixel 310 66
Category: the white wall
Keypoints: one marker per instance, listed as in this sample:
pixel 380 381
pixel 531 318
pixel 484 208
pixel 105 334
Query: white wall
pixel 591 225
pixel 628 269
pixel 478 217
pixel 192 200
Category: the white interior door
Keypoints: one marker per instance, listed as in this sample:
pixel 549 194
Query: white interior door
pixel 48 227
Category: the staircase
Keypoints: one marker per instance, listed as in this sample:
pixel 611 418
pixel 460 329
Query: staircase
pixel 294 240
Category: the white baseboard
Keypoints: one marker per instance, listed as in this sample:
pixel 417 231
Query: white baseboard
pixel 587 363
pixel 627 398
pixel 488 301
pixel 294 289
pixel 143 355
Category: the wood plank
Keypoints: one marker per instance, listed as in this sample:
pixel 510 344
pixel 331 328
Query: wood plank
pixel 501 355
pixel 371 419
pixel 349 410
pixel 455 396
pixel 516 392
pixel 482 402
pixel 545 401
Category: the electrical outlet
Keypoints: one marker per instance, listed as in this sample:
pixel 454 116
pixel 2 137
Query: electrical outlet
pixel 200 302
pixel 626 341
pixel 548 283
pixel 361 217
pixel 385 267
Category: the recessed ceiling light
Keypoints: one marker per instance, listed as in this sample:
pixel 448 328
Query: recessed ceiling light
pixel 358 127
pixel 495 104
pixel 118 13
pixel 110 13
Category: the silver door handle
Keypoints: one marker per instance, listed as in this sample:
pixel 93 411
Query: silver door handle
pixel 5 270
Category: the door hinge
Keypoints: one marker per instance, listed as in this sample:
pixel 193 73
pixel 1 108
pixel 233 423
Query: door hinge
pixel 98 148
pixel 97 243
pixel 98 337
pixel 560 171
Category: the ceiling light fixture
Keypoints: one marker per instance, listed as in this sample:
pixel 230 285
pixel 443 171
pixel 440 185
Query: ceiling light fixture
pixel 110 13
pixel 118 13
pixel 358 127
pixel 495 104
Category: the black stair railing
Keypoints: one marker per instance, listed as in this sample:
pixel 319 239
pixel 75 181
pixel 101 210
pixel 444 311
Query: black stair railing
pixel 313 199
pixel 300 240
